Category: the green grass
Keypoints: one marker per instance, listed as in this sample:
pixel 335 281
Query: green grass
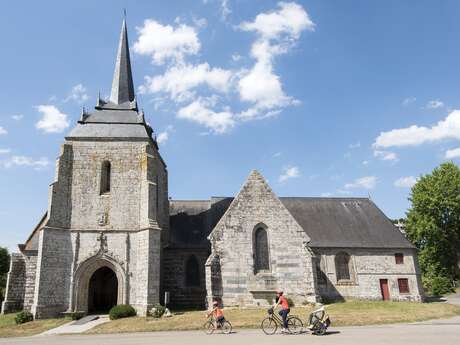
pixel 8 327
pixel 353 313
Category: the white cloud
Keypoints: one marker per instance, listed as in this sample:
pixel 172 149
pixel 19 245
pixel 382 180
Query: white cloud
pixel 454 153
pixel 366 182
pixel 435 104
pixel 288 173
pixel 386 155
pixel 405 182
pixel 179 80
pixel 225 10
pixel 17 117
pixel 52 121
pixel 355 145
pixel 449 128
pixel 38 164
pixel 200 112
pixel 236 57
pixel 326 195
pixel 4 151
pixel 291 19
pixel 200 22
pixel 408 100
pixel 163 137
pixel 365 162
pixel 3 131
pixel 77 94
pixel 163 42
pixel 277 154
pixel 277 32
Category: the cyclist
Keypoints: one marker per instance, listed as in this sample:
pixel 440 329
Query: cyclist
pixel 217 313
pixel 281 300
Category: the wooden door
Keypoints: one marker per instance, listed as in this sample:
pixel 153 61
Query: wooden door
pixel 384 289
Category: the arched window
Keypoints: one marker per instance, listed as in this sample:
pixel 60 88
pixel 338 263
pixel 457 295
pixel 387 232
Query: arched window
pixel 342 267
pixel 321 276
pixel 192 272
pixel 261 254
pixel 105 177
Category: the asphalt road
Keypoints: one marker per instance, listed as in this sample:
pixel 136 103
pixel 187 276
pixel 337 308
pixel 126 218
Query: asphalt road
pixel 443 332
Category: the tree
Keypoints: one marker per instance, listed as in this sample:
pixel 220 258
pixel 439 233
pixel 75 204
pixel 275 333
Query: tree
pixel 433 226
pixel 4 267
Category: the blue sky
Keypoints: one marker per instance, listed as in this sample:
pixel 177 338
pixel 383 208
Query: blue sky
pixel 324 98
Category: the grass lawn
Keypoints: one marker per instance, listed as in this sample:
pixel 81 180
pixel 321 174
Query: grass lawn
pixel 8 327
pixel 342 314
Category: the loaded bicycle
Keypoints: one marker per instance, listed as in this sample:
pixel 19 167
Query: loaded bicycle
pixel 271 323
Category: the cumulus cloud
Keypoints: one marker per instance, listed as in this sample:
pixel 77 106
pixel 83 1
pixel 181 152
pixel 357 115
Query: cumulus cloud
pixel 453 153
pixel 180 80
pixel 366 182
pixel 288 173
pixel 164 135
pixel 449 128
pixel 38 164
pixel 225 10
pixel 386 155
pixel 277 31
pixel 52 121
pixel 200 112
pixel 435 104
pixel 77 94
pixel 3 131
pixel 163 42
pixel 405 182
pixel 17 117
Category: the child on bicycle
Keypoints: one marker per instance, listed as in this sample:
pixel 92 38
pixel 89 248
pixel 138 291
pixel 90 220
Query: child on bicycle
pixel 281 300
pixel 217 313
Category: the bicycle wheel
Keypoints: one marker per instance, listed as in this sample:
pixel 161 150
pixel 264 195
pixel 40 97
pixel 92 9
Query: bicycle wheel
pixel 208 327
pixel 226 327
pixel 295 325
pixel 269 326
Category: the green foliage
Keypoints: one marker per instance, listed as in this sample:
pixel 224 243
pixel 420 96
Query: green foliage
pixel 23 317
pixel 120 311
pixel 4 267
pixel 76 315
pixel 433 226
pixel 157 311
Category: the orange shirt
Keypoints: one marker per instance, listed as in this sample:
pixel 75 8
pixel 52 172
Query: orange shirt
pixel 218 312
pixel 284 303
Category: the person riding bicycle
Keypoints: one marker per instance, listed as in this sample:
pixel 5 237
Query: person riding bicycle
pixel 217 313
pixel 281 300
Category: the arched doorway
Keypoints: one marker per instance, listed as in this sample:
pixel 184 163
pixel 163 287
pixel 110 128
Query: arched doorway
pixel 102 290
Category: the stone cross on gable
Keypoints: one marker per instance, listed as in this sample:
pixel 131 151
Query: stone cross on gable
pixel 102 239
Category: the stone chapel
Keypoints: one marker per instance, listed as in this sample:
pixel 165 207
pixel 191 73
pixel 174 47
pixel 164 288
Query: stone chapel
pixel 112 236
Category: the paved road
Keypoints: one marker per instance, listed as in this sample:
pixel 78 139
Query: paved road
pixel 445 332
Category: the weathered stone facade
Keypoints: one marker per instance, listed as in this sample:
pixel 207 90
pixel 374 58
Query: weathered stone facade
pixel 230 270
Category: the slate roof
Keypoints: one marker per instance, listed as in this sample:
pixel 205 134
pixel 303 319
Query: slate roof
pixel 329 222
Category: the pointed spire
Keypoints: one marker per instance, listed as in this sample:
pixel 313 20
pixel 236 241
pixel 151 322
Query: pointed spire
pixel 122 85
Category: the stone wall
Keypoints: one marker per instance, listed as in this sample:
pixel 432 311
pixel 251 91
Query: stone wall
pixel 30 276
pixel 291 266
pixel 14 296
pixel 368 267
pixel 183 296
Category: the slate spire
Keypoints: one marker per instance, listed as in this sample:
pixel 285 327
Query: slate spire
pixel 122 85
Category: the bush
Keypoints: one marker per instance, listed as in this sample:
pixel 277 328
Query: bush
pixel 77 315
pixel 157 311
pixel 438 285
pixel 120 311
pixel 23 317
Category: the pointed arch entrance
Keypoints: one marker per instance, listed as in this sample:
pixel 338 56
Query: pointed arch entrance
pixel 99 284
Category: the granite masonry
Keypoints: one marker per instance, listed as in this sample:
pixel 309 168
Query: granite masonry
pixel 112 236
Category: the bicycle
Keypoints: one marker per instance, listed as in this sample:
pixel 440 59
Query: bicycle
pixel 212 324
pixel 270 324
